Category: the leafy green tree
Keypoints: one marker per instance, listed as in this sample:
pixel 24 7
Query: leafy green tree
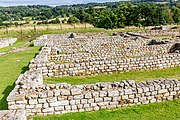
pixel 176 14
pixel 168 14
pixel 73 20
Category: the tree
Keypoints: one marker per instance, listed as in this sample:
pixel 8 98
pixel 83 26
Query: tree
pixel 73 20
pixel 168 15
pixel 176 14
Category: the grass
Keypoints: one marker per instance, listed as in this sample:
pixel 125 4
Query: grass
pixel 137 76
pixel 10 69
pixel 158 111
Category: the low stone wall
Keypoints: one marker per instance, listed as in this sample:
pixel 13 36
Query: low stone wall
pixel 86 56
pixel 173 33
pixel 50 69
pixel 64 98
pixel 12 115
pixel 4 42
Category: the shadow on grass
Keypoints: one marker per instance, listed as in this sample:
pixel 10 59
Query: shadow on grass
pixel 3 101
pixel 24 69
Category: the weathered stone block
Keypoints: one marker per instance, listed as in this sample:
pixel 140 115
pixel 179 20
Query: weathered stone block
pixel 75 91
pixel 98 100
pixel 88 95
pixel 42 100
pixel 162 91
pixel 33 101
pixel 49 109
pixel 112 93
pixel 65 92
pixel 103 93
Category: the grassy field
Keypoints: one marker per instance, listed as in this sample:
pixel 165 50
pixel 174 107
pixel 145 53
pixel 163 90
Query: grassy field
pixel 137 76
pixel 157 111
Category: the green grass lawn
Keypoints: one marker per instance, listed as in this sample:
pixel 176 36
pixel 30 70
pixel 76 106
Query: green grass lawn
pixel 10 69
pixel 158 111
pixel 137 76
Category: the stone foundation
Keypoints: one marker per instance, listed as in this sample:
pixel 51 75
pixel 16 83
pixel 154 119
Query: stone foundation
pixel 38 99
pixel 88 55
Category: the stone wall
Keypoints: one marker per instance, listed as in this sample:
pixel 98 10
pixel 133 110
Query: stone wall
pixel 88 55
pixel 4 42
pixel 64 98
pixel 173 33
pixel 50 69
pixel 12 115
pixel 84 56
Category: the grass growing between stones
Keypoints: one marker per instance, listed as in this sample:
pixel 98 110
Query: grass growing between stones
pixel 11 66
pixel 137 76
pixel 158 111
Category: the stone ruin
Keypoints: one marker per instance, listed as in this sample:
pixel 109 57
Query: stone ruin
pixel 83 55
pixel 173 34
pixel 62 55
pixel 5 42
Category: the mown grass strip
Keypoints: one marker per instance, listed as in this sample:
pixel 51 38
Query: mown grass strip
pixel 157 111
pixel 137 76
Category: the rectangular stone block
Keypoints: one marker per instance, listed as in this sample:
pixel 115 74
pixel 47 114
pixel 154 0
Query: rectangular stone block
pixel 33 101
pixel 95 94
pixel 91 101
pixel 77 97
pixel 107 99
pixel 102 103
pixel 65 92
pixel 103 93
pixel 112 93
pixel 83 101
pixel 75 91
pixel 88 95
pixel 42 100
pixel 98 100
pixel 86 106
pixel 162 91
pixel 49 109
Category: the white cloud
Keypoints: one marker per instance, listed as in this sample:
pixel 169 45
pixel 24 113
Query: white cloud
pixel 47 2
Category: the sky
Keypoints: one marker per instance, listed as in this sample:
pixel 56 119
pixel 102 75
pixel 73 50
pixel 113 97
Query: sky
pixel 48 2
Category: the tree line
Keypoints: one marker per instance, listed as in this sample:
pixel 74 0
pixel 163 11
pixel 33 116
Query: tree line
pixel 127 14
pixel 103 15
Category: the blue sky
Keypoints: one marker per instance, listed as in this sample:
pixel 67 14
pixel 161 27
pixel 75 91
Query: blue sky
pixel 48 2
